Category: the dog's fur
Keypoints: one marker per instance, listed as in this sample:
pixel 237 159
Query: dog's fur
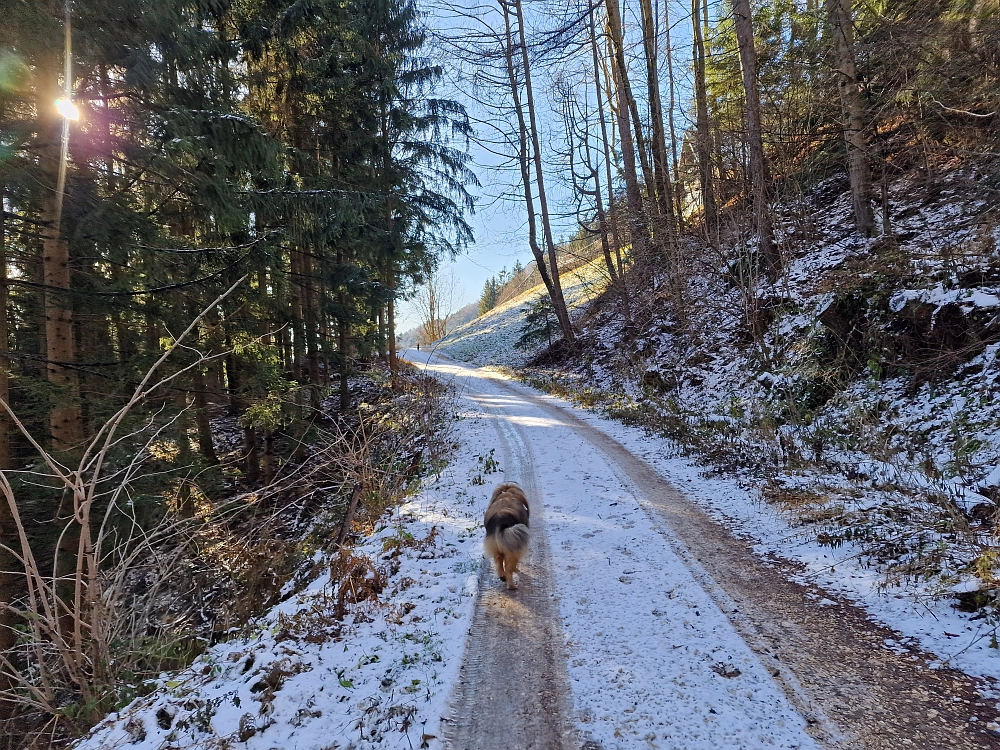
pixel 507 532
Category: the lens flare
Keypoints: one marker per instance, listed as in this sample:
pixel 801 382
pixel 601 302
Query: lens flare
pixel 67 109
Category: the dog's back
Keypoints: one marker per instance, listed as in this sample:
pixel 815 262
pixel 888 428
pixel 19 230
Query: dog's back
pixel 507 519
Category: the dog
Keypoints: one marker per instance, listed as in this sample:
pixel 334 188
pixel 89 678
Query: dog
pixel 507 532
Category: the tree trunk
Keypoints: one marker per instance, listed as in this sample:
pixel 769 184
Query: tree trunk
pixel 381 333
pixel 523 158
pixel 310 318
pixel 206 445
pixel 558 302
pixel 298 330
pixel 343 338
pixel 703 136
pixel 606 145
pixel 627 99
pixel 251 455
pixel 678 190
pixel 841 17
pixel 5 423
pixel 269 458
pixel 759 174
pixel 10 579
pixel 185 457
pixel 65 422
pixel 234 382
pixel 661 170
pixel 633 195
pixel 605 222
pixel 390 309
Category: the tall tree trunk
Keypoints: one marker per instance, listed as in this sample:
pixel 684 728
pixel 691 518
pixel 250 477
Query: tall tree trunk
pixel 199 386
pixel 760 176
pixel 343 343
pixel 840 13
pixel 523 157
pixel 268 463
pixel 344 338
pixel 5 423
pixel 633 195
pixel 298 329
pixel 605 222
pixel 251 455
pixel 310 319
pixel 206 445
pixel 615 32
pixel 390 309
pixel 65 422
pixel 558 301
pixel 606 145
pixel 661 170
pixel 65 419
pixel 381 333
pixel 703 135
pixel 678 190
pixel 10 580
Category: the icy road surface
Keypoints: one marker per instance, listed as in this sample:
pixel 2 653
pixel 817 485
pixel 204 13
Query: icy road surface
pixel 673 633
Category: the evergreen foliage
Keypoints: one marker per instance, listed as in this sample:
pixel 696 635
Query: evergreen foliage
pixel 295 151
pixel 540 324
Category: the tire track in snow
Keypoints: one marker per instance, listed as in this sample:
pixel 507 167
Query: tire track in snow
pixel 511 693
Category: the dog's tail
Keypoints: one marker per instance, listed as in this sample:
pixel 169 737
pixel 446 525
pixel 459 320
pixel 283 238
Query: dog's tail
pixel 513 539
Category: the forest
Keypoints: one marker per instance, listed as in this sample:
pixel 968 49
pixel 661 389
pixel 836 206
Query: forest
pixel 218 219
pixel 212 210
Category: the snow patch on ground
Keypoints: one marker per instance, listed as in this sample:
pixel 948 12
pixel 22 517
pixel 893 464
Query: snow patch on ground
pixel 381 682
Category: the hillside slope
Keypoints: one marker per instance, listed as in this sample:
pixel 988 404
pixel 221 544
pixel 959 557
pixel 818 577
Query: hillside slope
pixel 491 339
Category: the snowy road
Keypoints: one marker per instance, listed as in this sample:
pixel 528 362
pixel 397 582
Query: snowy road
pixel 643 623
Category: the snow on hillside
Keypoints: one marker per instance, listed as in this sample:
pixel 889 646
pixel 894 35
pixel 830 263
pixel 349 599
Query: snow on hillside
pixel 491 338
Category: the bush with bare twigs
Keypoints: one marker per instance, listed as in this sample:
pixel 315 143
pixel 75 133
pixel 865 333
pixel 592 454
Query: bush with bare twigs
pixel 122 597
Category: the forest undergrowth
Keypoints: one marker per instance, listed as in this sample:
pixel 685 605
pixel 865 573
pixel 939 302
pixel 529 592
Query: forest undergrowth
pixel 185 556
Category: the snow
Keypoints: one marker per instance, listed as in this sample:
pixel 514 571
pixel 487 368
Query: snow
pixel 921 617
pixel 901 461
pixel 898 462
pixel 652 660
pixel 918 618
pixel 967 299
pixel 382 682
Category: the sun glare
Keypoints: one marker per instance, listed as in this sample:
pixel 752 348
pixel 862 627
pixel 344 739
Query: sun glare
pixel 67 109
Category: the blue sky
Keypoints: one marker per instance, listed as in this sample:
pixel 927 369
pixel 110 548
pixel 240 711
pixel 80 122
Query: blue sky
pixel 499 223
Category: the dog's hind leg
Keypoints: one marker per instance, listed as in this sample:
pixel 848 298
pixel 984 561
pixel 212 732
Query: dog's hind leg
pixel 498 560
pixel 511 569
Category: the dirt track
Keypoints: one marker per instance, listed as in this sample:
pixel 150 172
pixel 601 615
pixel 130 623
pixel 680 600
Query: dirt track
pixel 512 691
pixel 831 662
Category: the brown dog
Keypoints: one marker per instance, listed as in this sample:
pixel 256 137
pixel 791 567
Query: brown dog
pixel 507 532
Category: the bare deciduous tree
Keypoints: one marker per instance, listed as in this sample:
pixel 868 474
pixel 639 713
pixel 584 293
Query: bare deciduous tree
pixel 435 300
pixel 760 176
pixel 703 135
pixel 841 19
